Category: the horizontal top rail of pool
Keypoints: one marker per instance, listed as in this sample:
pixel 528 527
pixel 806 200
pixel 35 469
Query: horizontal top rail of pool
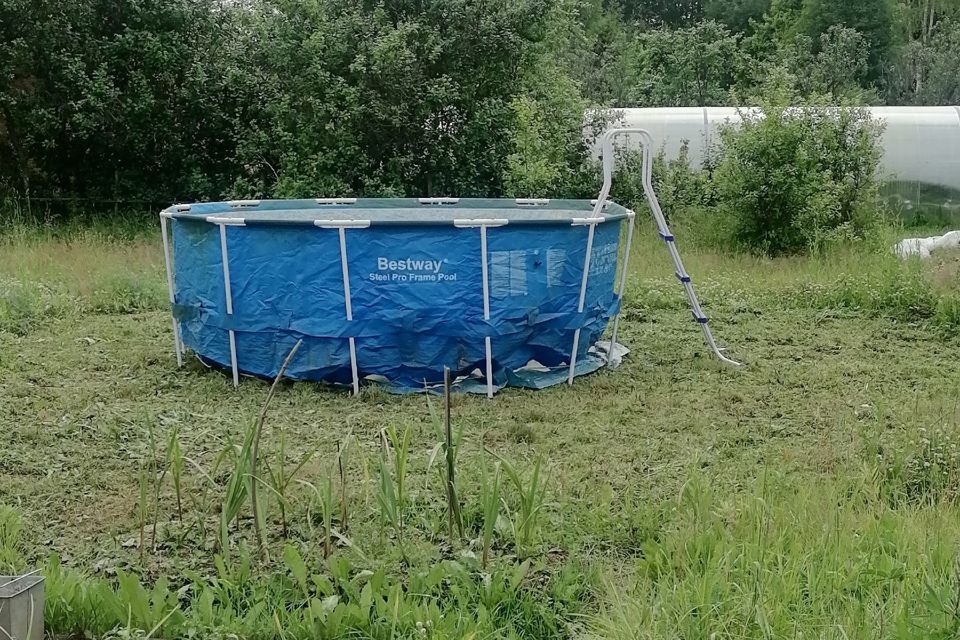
pixel 362 212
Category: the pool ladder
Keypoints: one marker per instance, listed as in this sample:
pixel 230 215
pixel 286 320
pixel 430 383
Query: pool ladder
pixel 646 144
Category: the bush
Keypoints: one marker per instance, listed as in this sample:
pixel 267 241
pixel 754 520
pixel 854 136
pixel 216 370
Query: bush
pixel 791 179
pixel 681 189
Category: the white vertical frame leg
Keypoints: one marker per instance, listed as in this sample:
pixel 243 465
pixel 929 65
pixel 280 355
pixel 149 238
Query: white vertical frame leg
pixel 348 304
pixel 621 286
pixel 486 306
pixel 229 297
pixel 168 262
pixel 583 297
pixel 483 224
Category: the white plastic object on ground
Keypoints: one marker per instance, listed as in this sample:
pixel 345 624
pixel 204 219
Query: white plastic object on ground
pixel 613 353
pixel 923 246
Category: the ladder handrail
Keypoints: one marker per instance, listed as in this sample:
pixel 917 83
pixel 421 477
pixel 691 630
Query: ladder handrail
pixel 646 145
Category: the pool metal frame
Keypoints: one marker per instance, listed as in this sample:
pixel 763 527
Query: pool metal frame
pixel 597 217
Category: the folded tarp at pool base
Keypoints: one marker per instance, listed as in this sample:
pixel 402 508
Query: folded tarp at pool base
pixel 403 363
pixel 533 375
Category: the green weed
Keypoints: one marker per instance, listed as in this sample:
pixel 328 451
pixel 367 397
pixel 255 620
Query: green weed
pixel 325 499
pixel 26 305
pixel 128 293
pixel 337 601
pixel 530 495
pixel 490 501
pixel 919 465
pixel 280 478
pixel 391 488
pixel 175 456
pixel 11 526
pixel 237 489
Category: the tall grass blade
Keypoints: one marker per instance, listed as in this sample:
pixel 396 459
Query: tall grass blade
pixel 490 501
pixel 255 450
pixel 453 504
pixel 175 456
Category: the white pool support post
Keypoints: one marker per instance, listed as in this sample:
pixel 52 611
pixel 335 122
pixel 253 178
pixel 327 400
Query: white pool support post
pixel 223 223
pixel 168 262
pixel 486 307
pixel 484 224
pixel 341 226
pixel 349 308
pixel 621 285
pixel 646 145
pixel 591 224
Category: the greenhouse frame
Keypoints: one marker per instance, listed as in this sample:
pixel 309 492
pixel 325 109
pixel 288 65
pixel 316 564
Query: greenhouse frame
pixel 919 166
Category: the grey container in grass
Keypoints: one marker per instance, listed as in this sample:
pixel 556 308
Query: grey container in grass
pixel 21 607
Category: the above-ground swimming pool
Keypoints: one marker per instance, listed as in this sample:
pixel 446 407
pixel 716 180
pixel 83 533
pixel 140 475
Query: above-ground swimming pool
pixel 503 292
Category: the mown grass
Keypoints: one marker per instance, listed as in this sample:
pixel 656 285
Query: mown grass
pixel 812 493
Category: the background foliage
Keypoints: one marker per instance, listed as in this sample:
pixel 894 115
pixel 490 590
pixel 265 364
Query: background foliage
pixel 163 100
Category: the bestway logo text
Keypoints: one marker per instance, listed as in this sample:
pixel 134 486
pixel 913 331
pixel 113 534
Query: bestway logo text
pixel 409 264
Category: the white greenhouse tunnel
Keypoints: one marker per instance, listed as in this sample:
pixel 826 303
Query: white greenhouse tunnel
pixel 921 145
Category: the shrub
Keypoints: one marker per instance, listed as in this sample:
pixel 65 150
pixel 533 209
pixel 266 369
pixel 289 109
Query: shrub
pixel 682 190
pixel 791 179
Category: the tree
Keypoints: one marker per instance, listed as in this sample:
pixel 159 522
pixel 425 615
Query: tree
pixel 663 13
pixel 393 98
pixel 549 156
pixel 936 73
pixel 834 63
pixel 120 99
pixel 595 55
pixel 923 72
pixel 918 19
pixel 685 67
pixel 836 66
pixel 872 18
pixel 193 99
pixel 188 99
pixel 737 15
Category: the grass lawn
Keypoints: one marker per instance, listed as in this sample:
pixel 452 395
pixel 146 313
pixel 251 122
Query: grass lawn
pixel 812 493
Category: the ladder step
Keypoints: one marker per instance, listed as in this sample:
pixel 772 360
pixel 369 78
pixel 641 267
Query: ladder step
pixel 701 319
pixel 667 237
pixel 682 277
